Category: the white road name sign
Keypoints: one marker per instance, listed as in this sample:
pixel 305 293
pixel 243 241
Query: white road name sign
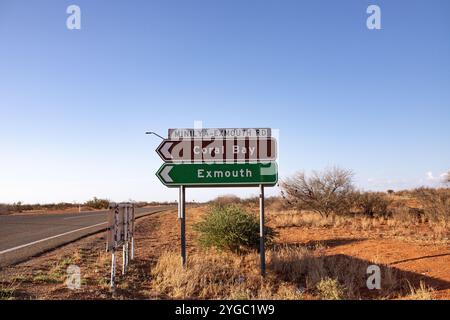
pixel 219 133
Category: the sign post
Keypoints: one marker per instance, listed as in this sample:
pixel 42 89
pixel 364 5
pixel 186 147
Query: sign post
pixel 182 203
pixel 262 251
pixel 233 157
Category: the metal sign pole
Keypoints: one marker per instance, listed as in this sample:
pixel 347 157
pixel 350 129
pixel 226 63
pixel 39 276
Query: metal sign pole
pixel 261 231
pixel 182 213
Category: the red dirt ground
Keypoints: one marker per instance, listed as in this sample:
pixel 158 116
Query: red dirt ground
pixel 159 233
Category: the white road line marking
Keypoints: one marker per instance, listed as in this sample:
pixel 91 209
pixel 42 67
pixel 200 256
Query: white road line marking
pixel 49 238
pixel 84 216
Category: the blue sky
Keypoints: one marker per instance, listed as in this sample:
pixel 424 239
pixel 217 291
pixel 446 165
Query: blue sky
pixel 74 104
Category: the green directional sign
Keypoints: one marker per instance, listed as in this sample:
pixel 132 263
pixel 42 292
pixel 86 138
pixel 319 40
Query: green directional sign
pixel 218 174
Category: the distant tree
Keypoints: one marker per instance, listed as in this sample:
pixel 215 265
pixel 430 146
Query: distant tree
pixel 390 191
pixel 18 206
pixel 327 192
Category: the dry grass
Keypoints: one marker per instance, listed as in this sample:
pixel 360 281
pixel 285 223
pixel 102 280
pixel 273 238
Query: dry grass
pixel 421 215
pixel 56 273
pixel 423 292
pixel 211 275
pixel 208 275
pixel 8 291
pixel 400 225
pixel 292 273
pixel 295 218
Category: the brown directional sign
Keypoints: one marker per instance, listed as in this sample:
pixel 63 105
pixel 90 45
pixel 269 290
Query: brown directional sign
pixel 218 150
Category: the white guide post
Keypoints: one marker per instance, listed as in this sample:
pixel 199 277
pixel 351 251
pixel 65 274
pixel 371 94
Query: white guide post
pixel 113 270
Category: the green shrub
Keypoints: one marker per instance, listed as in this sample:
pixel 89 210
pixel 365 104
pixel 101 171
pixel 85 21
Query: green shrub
pixel 98 203
pixel 230 227
pixel 330 289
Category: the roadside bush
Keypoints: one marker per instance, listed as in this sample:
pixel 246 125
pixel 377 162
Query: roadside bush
pixel 3 209
pixel 230 227
pixel 251 201
pixel 63 206
pixel 276 204
pixel 435 204
pixel 327 192
pixel 373 204
pixel 17 207
pixel 97 203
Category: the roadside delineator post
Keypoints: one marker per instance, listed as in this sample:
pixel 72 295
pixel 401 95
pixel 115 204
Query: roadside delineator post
pixel 113 270
pixel 125 239
pixel 132 231
pixel 120 232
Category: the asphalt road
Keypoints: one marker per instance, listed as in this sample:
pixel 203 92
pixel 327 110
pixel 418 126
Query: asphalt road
pixel 24 236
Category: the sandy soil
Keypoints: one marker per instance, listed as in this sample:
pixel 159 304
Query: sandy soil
pixel 43 277
pixel 415 262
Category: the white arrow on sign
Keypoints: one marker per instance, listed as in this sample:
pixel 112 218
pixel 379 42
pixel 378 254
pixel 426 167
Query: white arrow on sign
pixel 165 174
pixel 165 150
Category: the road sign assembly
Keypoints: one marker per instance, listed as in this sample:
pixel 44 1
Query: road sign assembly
pixel 218 157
